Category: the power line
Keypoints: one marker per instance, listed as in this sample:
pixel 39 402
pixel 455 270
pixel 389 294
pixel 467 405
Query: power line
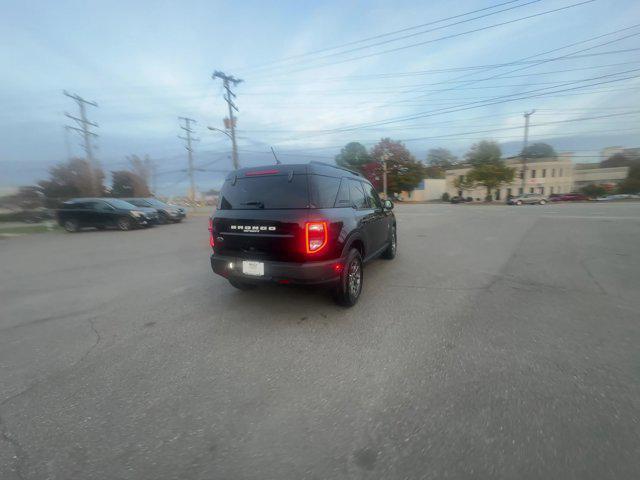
pixel 375 37
pixel 385 42
pixel 539 62
pixel 536 62
pixel 486 102
pixel 446 37
pixel 436 71
pixel 454 135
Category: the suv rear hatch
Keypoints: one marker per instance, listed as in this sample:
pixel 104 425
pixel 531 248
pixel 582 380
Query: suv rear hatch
pixel 262 213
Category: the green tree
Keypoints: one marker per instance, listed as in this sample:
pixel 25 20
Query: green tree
pixel 594 190
pixel 539 150
pixel 128 184
pixel 143 167
pixel 441 157
pixel 353 155
pixel 404 172
pixel 74 178
pixel 491 176
pixel 631 184
pixel 484 152
pixel 438 160
pixel 629 157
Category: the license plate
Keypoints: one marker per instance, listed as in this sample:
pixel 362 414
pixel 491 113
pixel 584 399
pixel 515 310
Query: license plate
pixel 253 268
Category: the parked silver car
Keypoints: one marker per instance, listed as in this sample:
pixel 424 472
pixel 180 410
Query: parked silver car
pixel 528 199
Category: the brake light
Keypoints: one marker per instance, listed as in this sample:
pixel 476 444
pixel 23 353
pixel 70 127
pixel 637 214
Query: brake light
pixel 212 242
pixel 261 172
pixel 316 236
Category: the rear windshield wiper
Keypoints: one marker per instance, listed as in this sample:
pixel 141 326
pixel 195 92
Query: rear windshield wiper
pixel 254 204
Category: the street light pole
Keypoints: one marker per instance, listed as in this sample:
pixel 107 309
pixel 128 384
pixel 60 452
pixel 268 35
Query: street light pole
pixel 524 147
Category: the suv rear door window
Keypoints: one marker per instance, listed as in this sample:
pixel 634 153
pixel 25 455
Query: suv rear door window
pixel 323 190
pixel 268 192
pixel 342 200
pixel 372 196
pixel 358 199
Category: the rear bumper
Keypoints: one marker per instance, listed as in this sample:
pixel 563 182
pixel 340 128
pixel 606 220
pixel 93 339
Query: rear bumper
pixel 309 273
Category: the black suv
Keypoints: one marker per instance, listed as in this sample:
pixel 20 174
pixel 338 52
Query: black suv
pixel 166 213
pixel 102 213
pixel 303 224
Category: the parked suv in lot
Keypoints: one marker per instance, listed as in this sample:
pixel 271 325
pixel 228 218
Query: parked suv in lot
pixel 166 213
pixel 304 224
pixel 102 213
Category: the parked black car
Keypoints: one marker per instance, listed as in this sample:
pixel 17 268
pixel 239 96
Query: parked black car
pixel 458 199
pixel 305 224
pixel 103 213
pixel 166 213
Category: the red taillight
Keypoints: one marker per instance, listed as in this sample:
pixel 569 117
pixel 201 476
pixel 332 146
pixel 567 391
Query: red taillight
pixel 212 242
pixel 316 236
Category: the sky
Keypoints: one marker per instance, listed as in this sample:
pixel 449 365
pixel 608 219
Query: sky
pixel 316 75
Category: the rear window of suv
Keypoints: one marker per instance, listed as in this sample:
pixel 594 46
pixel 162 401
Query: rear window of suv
pixel 268 192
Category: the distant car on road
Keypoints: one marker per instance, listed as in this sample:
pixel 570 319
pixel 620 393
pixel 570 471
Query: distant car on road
pixel 458 199
pixel 609 198
pixel 102 213
pixel 166 213
pixel 528 199
pixel 569 197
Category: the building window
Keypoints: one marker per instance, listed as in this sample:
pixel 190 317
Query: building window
pixel 497 194
pixel 531 190
pixel 521 174
pixel 541 190
pixel 551 190
pixel 559 189
pixel 533 174
pixel 508 193
pixel 560 174
pixel 544 173
pixel 553 172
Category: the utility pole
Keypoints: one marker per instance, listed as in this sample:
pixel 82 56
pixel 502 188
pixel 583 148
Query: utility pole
pixel 83 129
pixel 230 123
pixel 385 157
pixel 66 141
pixel 154 177
pixel 187 128
pixel 524 147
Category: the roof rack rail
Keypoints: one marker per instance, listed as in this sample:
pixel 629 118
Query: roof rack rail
pixel 315 162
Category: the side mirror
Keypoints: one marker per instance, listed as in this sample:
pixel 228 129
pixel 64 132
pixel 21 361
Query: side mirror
pixel 388 205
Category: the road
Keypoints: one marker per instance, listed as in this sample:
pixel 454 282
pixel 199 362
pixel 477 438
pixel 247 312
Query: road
pixel 502 342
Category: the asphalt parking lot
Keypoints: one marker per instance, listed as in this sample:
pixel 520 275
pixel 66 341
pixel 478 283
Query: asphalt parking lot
pixel 502 342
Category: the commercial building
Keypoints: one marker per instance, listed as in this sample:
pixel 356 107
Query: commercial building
pixel 429 189
pixel 541 175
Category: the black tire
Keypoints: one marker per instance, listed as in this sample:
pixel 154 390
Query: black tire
pixel 162 218
pixel 242 285
pixel 390 252
pixel 348 290
pixel 124 224
pixel 71 225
